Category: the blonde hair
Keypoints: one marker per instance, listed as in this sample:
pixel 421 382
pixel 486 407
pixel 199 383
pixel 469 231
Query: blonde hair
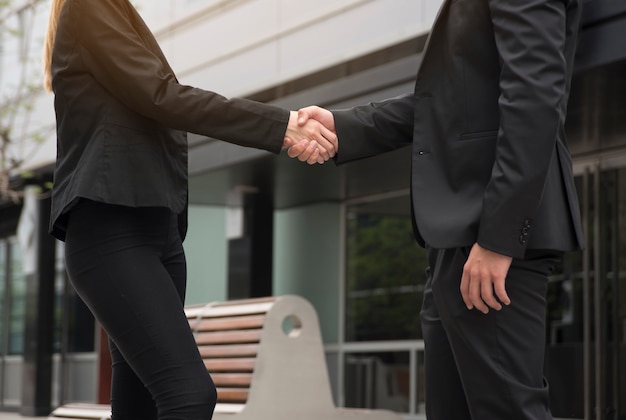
pixel 53 21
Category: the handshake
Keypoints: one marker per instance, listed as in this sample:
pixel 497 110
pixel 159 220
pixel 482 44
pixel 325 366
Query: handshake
pixel 311 135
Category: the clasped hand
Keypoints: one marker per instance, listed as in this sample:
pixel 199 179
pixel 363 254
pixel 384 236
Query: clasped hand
pixel 311 136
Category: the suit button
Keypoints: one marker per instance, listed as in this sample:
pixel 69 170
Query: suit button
pixel 522 239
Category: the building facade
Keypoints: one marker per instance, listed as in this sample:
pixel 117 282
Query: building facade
pixel 340 236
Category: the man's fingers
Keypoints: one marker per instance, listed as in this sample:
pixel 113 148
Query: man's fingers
pixel 501 292
pixel 315 154
pixel 474 291
pixel 297 149
pixel 288 142
pixel 465 290
pixel 486 273
pixel 486 294
pixel 302 150
pixel 327 148
pixel 475 294
pixel 303 116
pixel 310 150
pixel 330 137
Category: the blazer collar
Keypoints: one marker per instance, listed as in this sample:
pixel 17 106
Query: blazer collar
pixel 436 27
pixel 437 22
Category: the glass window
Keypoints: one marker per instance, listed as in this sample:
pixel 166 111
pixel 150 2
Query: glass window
pixel 564 327
pixel 3 294
pixel 74 323
pixel 385 272
pixel 17 312
pixel 378 380
pixel 613 288
pixel 602 305
pixel 620 296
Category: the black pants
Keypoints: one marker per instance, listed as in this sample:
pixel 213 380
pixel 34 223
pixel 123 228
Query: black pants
pixel 486 367
pixel 128 265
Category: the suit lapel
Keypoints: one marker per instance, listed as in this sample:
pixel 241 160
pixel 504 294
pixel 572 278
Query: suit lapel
pixel 437 23
pixel 437 26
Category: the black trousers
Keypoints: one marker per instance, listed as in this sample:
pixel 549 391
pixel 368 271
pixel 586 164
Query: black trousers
pixel 486 367
pixel 128 265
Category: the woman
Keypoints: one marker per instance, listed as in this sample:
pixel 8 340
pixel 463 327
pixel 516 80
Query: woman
pixel 120 193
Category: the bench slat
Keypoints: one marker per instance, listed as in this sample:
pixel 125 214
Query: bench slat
pixel 228 337
pixel 244 364
pixel 232 379
pixel 229 408
pixel 83 411
pixel 230 323
pixel 232 395
pixel 228 350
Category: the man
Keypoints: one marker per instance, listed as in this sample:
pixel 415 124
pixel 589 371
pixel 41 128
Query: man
pixel 493 195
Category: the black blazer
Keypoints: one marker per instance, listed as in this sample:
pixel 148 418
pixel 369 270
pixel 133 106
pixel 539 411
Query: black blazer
pixel 122 117
pixel 486 121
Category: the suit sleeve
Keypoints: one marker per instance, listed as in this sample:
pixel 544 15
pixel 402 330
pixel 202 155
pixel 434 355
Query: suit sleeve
pixel 530 37
pixel 375 128
pixel 118 58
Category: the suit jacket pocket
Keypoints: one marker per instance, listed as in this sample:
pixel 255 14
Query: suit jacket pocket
pixel 476 135
pixel 470 161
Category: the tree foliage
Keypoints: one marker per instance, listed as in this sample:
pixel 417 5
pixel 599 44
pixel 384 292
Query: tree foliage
pixel 384 279
pixel 20 84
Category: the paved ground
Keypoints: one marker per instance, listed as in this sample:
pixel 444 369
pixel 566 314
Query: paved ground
pixel 17 416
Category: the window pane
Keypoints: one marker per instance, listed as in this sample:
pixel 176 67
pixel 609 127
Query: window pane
pixel 620 294
pixel 18 301
pixel 378 380
pixel 420 383
pixel 564 328
pixel 3 294
pixel 385 272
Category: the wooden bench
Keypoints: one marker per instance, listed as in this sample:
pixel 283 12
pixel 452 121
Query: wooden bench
pixel 266 359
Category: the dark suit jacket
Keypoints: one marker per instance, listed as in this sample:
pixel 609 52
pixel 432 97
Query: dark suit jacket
pixel 489 158
pixel 122 117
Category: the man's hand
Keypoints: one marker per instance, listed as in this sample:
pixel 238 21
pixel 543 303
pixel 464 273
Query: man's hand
pixel 483 274
pixel 305 151
pixel 322 115
pixel 309 141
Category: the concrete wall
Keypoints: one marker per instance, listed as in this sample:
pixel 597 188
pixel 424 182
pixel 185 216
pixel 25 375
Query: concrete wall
pixel 307 255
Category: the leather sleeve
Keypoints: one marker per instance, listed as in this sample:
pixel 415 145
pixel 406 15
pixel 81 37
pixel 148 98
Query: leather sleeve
pixel 117 52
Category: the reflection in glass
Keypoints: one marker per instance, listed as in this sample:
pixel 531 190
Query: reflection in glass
pixel 605 299
pixel 564 353
pixel 18 301
pixel 564 333
pixel 384 272
pixel 614 290
pixel 420 383
pixel 3 295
